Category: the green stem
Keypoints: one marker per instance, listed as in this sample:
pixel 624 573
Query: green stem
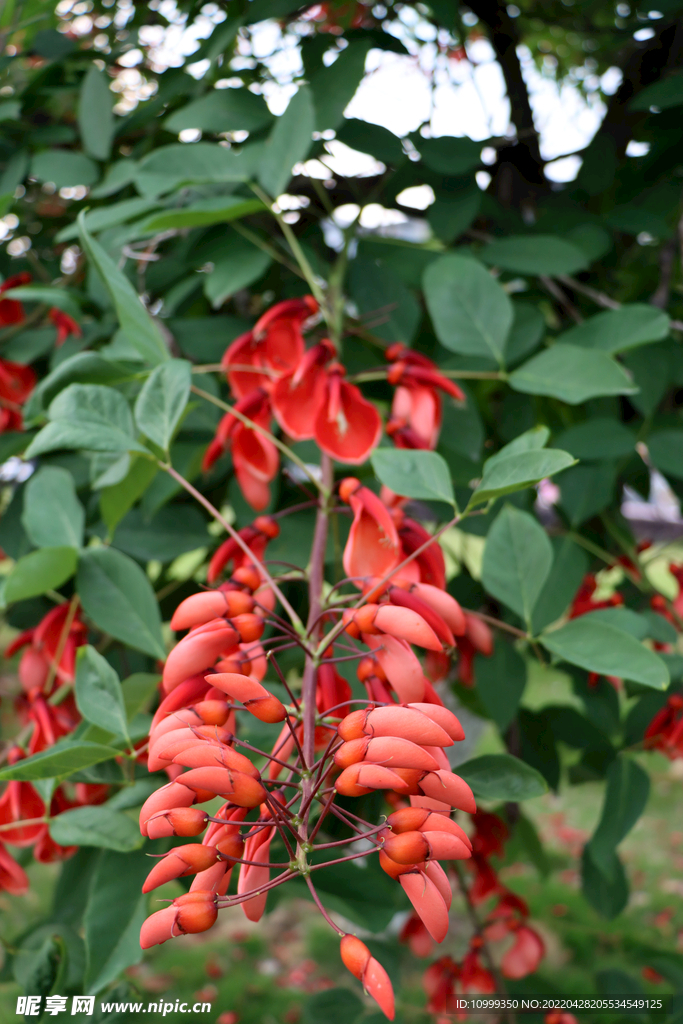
pixel 297 251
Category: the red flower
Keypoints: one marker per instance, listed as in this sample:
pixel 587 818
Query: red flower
pixel 416 936
pixel 13 878
pixel 665 731
pixel 20 802
pixel 256 537
pixel 275 346
pixel 583 601
pixel 416 410
pixel 347 426
pixel 255 458
pixel 65 325
pixel 11 310
pixel 474 976
pixel 372 549
pixel 47 641
pixel 298 395
pixel 16 380
pixel 490 834
pixel 524 955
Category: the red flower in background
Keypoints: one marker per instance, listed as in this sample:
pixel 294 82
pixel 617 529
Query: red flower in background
pixel 416 410
pixel 11 310
pixel 665 731
pixel 50 649
pixel 65 324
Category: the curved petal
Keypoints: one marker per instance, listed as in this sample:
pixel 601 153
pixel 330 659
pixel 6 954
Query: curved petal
pixel 347 426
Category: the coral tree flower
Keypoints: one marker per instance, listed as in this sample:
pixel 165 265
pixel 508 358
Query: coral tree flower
pixel 65 324
pixel 11 310
pixel 416 409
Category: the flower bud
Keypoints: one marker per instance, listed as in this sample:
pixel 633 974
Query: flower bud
pixel 180 821
pixel 197 911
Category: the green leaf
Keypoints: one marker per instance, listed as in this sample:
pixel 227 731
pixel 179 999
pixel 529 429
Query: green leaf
pixel 96 826
pixel 114 915
pixel 83 368
pixel 572 374
pixel 333 87
pixel 95 114
pixel 118 498
pixel 170 167
pixel 616 330
pixel 517 560
pixel 501 680
pixel 10 110
pixel 587 490
pixel 288 143
pixel 40 571
pixel 471 313
pixel 222 110
pixel 535 254
pixel 172 531
pixel 62 759
pixel 333 1006
pixel 118 597
pixel 135 321
pixel 599 647
pixel 451 156
pixel 373 139
pixel 53 516
pixel 109 216
pixel 666 451
pixel 89 417
pixel 119 174
pixel 601 437
pixel 530 441
pixel 162 401
pixel 414 473
pixel 526 332
pixel 388 308
pixel 98 692
pixel 666 93
pixel 58 297
pixel 451 214
pixel 517 471
pixel 607 894
pixel 39 969
pixel 65 168
pixel 242 265
pixel 137 690
pixel 204 212
pixel 570 565
pixel 502 777
pixel 628 789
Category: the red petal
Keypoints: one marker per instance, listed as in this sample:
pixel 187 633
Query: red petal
pixel 350 432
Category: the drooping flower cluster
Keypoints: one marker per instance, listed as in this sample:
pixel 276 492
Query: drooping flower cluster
pixel 395 742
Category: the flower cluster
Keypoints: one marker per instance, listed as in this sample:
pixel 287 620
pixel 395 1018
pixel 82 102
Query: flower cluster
pixel 272 375
pixel 396 742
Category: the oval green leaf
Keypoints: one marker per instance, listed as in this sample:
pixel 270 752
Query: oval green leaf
pixel 502 777
pixel 600 647
pixel 414 473
pixel 39 572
